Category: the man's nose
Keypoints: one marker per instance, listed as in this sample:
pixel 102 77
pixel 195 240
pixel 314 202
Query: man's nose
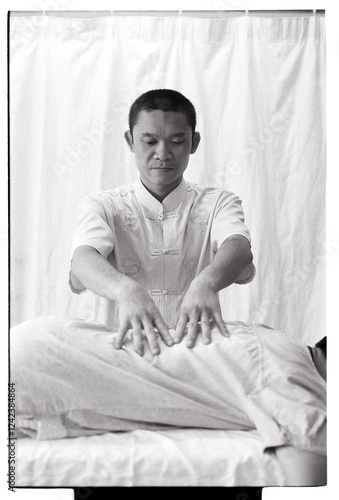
pixel 162 152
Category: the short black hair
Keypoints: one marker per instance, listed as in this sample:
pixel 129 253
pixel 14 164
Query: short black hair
pixel 165 100
pixel 322 344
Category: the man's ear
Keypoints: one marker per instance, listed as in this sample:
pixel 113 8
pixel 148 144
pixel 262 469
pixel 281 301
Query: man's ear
pixel 195 142
pixel 129 140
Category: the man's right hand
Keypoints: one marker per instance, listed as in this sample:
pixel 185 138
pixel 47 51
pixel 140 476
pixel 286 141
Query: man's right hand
pixel 137 312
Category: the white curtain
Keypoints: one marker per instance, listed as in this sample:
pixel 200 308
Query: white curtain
pixel 258 84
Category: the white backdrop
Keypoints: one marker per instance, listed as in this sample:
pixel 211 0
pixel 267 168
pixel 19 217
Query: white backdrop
pixel 258 84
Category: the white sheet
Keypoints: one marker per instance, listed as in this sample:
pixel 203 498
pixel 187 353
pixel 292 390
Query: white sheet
pixel 71 381
pixel 176 457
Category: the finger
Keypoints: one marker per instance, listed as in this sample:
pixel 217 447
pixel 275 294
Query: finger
pixel 120 337
pixel 181 327
pixel 138 340
pixel 151 337
pixel 192 329
pixel 205 327
pixel 163 331
pixel 221 324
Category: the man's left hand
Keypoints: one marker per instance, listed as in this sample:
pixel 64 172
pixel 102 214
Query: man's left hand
pixel 200 310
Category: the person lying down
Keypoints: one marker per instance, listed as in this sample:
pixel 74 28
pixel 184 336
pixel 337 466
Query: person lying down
pixel 71 381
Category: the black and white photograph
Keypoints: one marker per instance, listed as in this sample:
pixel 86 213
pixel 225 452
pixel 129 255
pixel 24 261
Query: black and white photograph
pixel 169 247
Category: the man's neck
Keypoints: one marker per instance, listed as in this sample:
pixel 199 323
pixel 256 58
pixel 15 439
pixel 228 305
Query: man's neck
pixel 160 194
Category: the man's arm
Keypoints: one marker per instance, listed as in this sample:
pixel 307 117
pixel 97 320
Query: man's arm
pixel 232 261
pixel 136 309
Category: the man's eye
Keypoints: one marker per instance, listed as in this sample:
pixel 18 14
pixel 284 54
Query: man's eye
pixel 177 142
pixel 150 142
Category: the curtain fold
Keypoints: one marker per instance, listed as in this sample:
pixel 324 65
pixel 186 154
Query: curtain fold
pixel 258 85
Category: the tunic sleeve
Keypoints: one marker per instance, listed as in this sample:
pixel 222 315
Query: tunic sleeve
pixel 93 229
pixel 228 220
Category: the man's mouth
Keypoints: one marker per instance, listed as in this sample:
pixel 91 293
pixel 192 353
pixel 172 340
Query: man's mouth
pixel 162 169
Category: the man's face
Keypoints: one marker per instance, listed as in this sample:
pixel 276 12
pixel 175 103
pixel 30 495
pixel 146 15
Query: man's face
pixel 162 142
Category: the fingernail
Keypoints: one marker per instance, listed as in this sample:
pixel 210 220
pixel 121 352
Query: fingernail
pixel 176 340
pixel 170 342
pixel 189 343
pixel 206 341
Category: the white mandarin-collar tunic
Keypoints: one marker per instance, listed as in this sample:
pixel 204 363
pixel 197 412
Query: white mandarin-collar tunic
pixel 162 246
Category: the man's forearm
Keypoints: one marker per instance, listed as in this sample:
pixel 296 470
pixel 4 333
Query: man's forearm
pixel 232 261
pixel 137 311
pixel 96 274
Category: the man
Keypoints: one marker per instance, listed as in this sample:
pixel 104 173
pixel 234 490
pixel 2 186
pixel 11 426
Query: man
pixel 163 248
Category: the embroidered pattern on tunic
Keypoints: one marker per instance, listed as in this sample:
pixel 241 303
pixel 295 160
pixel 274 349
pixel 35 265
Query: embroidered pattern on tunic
pixel 189 267
pixel 132 268
pixel 125 221
pixel 199 217
pixel 158 245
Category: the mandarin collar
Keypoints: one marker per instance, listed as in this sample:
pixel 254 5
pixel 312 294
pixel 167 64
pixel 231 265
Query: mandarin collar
pixel 169 204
